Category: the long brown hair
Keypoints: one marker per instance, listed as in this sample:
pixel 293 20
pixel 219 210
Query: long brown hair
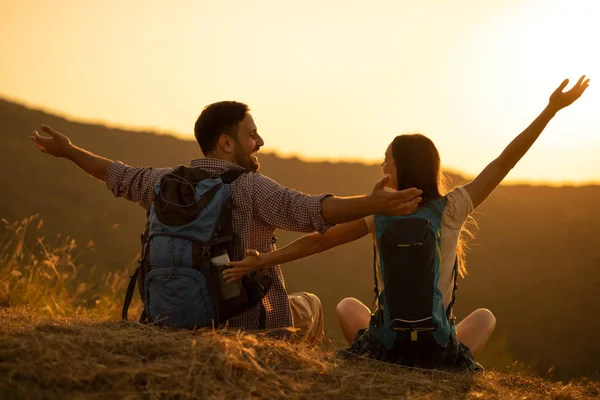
pixel 418 165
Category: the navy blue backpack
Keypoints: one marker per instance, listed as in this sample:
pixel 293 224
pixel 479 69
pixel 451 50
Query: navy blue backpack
pixel 411 306
pixel 189 224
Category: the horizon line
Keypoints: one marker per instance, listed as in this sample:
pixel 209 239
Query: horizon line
pixel 277 153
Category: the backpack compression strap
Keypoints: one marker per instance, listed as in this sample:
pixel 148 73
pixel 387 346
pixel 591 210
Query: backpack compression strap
pixel 129 295
pixel 134 278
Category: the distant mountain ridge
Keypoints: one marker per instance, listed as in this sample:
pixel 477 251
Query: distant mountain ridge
pixel 534 263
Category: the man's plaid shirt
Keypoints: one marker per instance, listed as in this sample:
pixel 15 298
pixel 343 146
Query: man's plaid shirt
pixel 261 205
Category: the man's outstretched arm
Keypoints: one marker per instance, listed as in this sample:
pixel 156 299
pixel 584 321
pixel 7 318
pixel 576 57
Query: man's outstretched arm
pixel 291 210
pixel 60 146
pixel 132 183
pixel 337 210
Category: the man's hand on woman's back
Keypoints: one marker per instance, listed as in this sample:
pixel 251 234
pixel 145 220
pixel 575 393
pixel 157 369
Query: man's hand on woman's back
pixel 338 210
pixel 395 202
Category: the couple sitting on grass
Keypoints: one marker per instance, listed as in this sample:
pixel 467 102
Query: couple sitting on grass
pixel 208 255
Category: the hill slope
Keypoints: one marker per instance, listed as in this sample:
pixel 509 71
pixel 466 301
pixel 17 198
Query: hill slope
pixel 534 263
pixel 71 358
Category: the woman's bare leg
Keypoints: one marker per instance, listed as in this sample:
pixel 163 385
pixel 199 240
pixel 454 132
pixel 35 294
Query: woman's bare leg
pixel 352 316
pixel 475 330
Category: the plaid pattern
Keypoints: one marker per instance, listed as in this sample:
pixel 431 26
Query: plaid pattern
pixel 261 205
pixel 421 354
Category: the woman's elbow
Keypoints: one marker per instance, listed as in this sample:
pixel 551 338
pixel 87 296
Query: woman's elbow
pixel 321 243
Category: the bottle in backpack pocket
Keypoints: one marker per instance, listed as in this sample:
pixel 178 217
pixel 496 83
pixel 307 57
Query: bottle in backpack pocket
pixel 228 290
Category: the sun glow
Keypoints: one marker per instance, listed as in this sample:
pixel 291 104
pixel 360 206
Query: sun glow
pixel 506 67
pixel 331 80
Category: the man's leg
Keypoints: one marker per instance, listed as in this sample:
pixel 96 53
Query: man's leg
pixel 475 330
pixel 307 314
pixel 352 316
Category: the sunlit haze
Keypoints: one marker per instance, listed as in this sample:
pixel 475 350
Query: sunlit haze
pixel 333 79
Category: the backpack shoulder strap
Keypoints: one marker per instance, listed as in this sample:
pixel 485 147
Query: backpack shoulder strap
pixel 449 310
pixel 376 289
pixel 438 205
pixel 230 176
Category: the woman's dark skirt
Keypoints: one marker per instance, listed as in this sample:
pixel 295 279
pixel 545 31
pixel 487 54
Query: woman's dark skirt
pixel 427 354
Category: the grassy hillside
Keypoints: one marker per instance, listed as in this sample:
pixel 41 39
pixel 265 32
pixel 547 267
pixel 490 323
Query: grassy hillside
pixel 534 263
pixel 83 358
pixel 58 340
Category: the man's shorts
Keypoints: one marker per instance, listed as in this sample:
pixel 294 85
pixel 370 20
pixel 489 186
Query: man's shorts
pixel 307 315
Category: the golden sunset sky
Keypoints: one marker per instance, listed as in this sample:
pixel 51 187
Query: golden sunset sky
pixel 327 79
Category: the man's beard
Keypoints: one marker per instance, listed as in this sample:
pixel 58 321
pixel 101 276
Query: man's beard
pixel 246 160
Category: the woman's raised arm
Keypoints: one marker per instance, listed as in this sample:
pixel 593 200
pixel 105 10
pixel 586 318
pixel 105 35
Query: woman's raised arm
pixel 485 183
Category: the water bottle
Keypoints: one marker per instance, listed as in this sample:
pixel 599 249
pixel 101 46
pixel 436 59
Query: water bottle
pixel 228 290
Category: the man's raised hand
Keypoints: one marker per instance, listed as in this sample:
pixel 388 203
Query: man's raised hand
pixel 57 144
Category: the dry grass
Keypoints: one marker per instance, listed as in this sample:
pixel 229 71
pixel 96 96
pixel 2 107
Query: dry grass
pixel 47 276
pixel 63 358
pixel 56 342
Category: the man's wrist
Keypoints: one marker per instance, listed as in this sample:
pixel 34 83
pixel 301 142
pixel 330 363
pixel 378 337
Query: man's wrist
pixel 368 204
pixel 70 152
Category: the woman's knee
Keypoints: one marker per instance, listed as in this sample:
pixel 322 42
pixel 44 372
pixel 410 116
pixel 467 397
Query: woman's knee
pixel 351 307
pixel 346 305
pixel 485 318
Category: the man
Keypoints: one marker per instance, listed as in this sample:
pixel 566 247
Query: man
pixel 229 140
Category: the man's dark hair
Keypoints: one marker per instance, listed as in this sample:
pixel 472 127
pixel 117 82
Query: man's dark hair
pixel 216 119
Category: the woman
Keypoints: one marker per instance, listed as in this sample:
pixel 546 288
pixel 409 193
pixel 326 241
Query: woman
pixel 413 161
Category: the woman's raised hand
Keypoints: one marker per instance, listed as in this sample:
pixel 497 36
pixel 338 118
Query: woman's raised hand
pixel 252 262
pixel 560 99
